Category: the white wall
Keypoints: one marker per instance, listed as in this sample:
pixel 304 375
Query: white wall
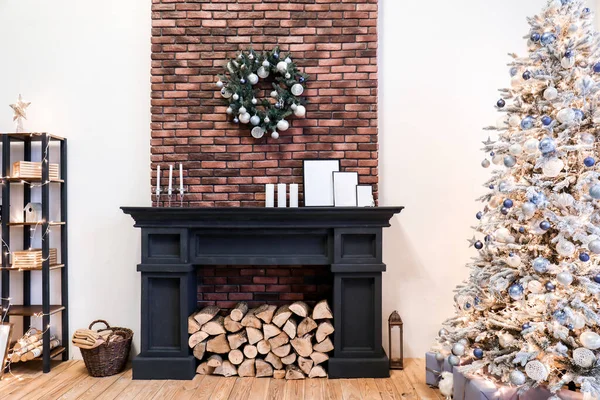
pixel 85 66
pixel 441 63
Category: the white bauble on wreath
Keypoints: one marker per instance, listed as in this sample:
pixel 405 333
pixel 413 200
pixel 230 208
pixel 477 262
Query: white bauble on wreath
pixel 267 114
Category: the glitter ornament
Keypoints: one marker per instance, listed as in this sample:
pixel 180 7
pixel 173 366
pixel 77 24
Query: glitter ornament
pixel 516 292
pixel 257 132
pixel 536 371
pixel 565 248
pixel 540 265
pixel 297 89
pixel 527 123
pixel 583 357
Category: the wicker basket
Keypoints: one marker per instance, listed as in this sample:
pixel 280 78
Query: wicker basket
pixel 109 358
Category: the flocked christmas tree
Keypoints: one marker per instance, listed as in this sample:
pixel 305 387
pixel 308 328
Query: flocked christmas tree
pixel 529 314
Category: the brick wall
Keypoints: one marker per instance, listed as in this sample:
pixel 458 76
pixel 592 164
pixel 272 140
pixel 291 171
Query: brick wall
pixel 335 41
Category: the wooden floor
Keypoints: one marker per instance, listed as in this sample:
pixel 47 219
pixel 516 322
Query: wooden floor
pixel 69 380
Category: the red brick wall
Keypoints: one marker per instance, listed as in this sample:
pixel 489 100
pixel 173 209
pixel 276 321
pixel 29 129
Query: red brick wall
pixel 335 41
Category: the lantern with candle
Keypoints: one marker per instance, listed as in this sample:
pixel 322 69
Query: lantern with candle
pixel 396 321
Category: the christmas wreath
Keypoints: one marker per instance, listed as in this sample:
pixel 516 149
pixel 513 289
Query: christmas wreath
pixel 238 87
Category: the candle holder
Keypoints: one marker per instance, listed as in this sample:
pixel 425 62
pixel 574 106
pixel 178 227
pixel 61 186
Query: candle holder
pixel 182 190
pixel 157 193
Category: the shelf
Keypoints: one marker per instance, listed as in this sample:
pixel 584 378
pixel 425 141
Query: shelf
pixel 32 180
pixel 53 223
pixel 30 311
pixel 35 136
pixel 53 353
pixel 52 267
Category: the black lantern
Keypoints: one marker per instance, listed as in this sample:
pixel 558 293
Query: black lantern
pixel 395 321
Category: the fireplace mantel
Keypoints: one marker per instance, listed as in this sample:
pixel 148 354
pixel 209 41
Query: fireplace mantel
pixel 176 241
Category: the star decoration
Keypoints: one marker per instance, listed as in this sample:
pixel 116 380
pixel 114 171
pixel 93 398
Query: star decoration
pixel 472 241
pixel 19 109
pixel 488 142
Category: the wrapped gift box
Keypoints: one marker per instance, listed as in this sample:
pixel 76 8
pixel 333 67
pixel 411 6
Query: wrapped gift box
pixel 467 387
pixel 434 369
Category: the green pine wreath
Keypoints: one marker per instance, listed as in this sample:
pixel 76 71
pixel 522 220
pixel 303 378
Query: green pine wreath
pixel 238 88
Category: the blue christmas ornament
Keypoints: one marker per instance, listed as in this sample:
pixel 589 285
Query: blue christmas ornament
pixel 526 326
pixel 504 210
pixel 488 238
pixel 551 287
pixel 508 203
pixel 527 122
pixel 521 230
pixel 589 162
pixel 491 187
pixel 478 354
pixel 514 71
pixel 242 81
pixel 516 291
pixel 548 38
pixel 560 316
pixel 545 225
pixel 568 53
pixel 501 103
pixel 540 265
pixel 565 2
pixel 597 278
pixel 570 326
pixel 597 68
pixel 510 161
pixel 585 257
pixel 477 301
pixel 276 56
pixel 492 154
pixel 546 120
pixel 302 79
pixel 479 215
pixel 547 146
pixel 586 10
pixel 535 37
pixel 595 192
pixel 478 245
pixel 236 121
pixel 579 114
pixel 527 75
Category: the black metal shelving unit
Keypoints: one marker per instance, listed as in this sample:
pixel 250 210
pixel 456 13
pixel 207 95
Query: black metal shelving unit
pixel 27 310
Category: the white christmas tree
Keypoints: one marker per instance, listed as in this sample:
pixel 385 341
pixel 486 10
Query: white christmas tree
pixel 529 313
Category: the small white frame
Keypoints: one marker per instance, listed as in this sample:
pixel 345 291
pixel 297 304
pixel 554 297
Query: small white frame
pixel 318 182
pixel 344 188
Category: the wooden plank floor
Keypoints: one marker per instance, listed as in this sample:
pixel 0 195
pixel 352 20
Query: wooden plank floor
pixel 69 380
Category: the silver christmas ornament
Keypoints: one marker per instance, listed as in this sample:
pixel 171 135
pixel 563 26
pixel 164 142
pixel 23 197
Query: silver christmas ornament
pixel 453 360
pixel 229 110
pixel 583 357
pixel 219 84
pixel 283 125
pixel 244 118
pixel 595 191
pixel 266 64
pixel 485 163
pixel 458 349
pixel 587 138
pixel 532 146
pixel 267 120
pixel 565 248
pixel 594 246
pixel 274 94
pixel 550 94
pixel 288 76
pixel 528 209
pixel 565 278
pixel 510 161
pixel 254 101
pixel 498 159
pixel 536 371
pixel 590 340
pixel 288 60
pixel 236 97
pixel 255 120
pixel 566 115
pixel 282 66
pixel 300 111
pixel 253 79
pixel 514 261
pixel 275 135
pixel 515 149
pixel 517 378
pixel 442 332
pixel 440 357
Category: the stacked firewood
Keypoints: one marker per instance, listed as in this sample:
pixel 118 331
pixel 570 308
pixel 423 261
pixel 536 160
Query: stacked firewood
pixel 30 347
pixel 288 342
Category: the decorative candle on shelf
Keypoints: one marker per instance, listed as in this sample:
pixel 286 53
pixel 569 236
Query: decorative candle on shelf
pixel 181 179
pixel 281 195
pixel 294 195
pixel 157 182
pixel 269 195
pixel 170 179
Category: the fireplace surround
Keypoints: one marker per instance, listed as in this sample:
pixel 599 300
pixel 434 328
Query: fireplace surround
pixel 178 241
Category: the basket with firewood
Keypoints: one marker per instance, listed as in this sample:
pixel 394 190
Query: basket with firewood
pixel 105 351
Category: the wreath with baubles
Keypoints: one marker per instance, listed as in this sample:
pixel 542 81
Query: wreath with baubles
pixel 238 88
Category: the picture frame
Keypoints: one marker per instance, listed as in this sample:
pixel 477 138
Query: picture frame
pixel 5 336
pixel 344 189
pixel 318 182
pixel 364 196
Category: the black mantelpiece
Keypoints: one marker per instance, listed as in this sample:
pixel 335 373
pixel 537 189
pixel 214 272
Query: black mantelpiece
pixel 176 241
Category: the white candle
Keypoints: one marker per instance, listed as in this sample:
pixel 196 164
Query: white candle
pixel 294 195
pixel 158 180
pixel 180 178
pixel 281 195
pixel 170 179
pixel 269 195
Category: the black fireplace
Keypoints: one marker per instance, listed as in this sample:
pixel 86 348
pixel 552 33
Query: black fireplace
pixel 177 241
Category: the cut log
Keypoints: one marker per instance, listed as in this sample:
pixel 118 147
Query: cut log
pixel 319 357
pixel 193 325
pixel 231 325
pixel 250 320
pixel 265 313
pixel 246 369
pixel 214 327
pixel 215 361
pixel 293 372
pixel 306 326
pixel 289 359
pixel 300 308
pixel 291 328
pixel 199 350
pixel 281 316
pixel 282 351
pixel 263 368
pixel 274 361
pixel 226 369
pixel 205 369
pixel 235 340
pixel 254 335
pixel 303 345
pixel 239 311
pixel 324 347
pixel 322 311
pixel 317 372
pixel 324 330
pixel 218 345
pixel 250 351
pixel 279 340
pixel 236 357
pixel 206 314
pixel 279 374
pixel 196 338
pixel 263 347
pixel 270 331
pixel 305 364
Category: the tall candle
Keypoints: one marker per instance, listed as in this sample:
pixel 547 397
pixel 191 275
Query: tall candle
pixel 294 195
pixel 269 195
pixel 281 195
pixel 158 180
pixel 170 179
pixel 180 178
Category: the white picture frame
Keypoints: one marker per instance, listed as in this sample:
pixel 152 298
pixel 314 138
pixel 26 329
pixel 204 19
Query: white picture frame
pixel 318 182
pixel 364 196
pixel 5 335
pixel 344 189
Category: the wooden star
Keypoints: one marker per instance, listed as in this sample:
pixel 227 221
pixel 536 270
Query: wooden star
pixel 20 110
